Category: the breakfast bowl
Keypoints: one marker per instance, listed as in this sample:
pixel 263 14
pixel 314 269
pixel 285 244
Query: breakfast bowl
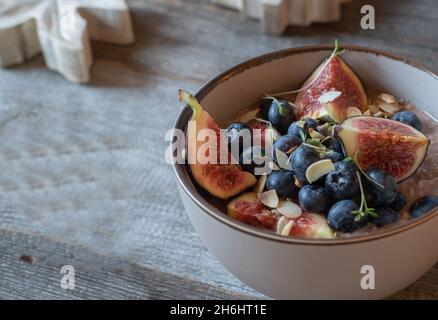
pixel 369 265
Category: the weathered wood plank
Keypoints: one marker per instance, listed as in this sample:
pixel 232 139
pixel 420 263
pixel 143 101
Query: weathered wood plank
pixel 30 270
pixel 83 165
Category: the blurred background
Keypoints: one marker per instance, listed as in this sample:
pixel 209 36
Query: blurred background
pixel 83 180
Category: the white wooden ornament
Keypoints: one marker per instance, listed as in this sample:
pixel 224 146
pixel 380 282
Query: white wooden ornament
pixel 61 30
pixel 276 15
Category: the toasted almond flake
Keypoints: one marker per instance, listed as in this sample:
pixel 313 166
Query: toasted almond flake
pixel 373 108
pixel 388 108
pixel 329 96
pixel 269 198
pixel 248 116
pixel 273 166
pixel 378 114
pixel 281 223
pixel 332 130
pixel 301 123
pixel 260 186
pixel 271 135
pixel 289 209
pixel 287 228
pixel 283 160
pixel 353 112
pixel 298 183
pixel 319 169
pixel 385 97
pixel 367 113
pixel 315 134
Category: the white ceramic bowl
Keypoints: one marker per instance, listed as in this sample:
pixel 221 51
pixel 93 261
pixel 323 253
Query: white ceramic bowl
pixel 289 268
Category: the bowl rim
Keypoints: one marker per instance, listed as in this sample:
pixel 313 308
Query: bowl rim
pixel 187 184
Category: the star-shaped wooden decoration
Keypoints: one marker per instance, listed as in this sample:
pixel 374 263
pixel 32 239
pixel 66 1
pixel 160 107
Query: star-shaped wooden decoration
pixel 276 15
pixel 61 30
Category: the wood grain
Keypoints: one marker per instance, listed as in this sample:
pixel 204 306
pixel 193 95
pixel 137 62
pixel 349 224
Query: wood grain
pixel 31 271
pixel 81 167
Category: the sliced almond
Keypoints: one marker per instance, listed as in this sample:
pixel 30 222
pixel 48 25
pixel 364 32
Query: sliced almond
pixel 301 123
pixel 319 169
pixel 315 134
pixel 269 198
pixel 385 97
pixel 283 160
pixel 388 108
pixel 373 108
pixel 367 113
pixel 329 96
pixel 287 228
pixel 298 183
pixel 281 223
pixel 271 135
pixel 273 166
pixel 353 112
pixel 378 114
pixel 248 116
pixel 289 209
pixel 260 186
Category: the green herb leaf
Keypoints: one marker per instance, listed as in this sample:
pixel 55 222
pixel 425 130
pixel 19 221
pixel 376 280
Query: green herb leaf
pixel 315 142
pixel 363 209
pixel 282 109
pixel 303 135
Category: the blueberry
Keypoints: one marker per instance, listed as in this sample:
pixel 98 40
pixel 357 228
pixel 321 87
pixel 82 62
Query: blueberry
pixel 341 218
pixel 385 216
pixel 369 197
pixel 399 202
pixel 423 205
pixel 314 199
pixel 264 106
pixel 383 186
pixel 283 182
pixel 254 157
pixel 408 118
pixel 333 144
pixel 281 115
pixel 302 158
pixel 343 182
pixel 334 156
pixel 297 129
pixel 285 144
pixel 237 135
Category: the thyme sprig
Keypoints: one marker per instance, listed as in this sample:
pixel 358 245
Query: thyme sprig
pixel 364 210
pixel 356 162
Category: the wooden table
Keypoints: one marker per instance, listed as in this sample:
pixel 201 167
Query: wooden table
pixel 82 176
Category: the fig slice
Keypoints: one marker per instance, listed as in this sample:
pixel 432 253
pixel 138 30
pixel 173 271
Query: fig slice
pixel 336 76
pixel 221 180
pixel 248 209
pixel 392 146
pixel 313 226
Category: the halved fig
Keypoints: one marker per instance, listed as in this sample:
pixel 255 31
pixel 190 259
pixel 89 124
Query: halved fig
pixel 313 226
pixel 336 76
pixel 248 209
pixel 221 180
pixel 385 144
